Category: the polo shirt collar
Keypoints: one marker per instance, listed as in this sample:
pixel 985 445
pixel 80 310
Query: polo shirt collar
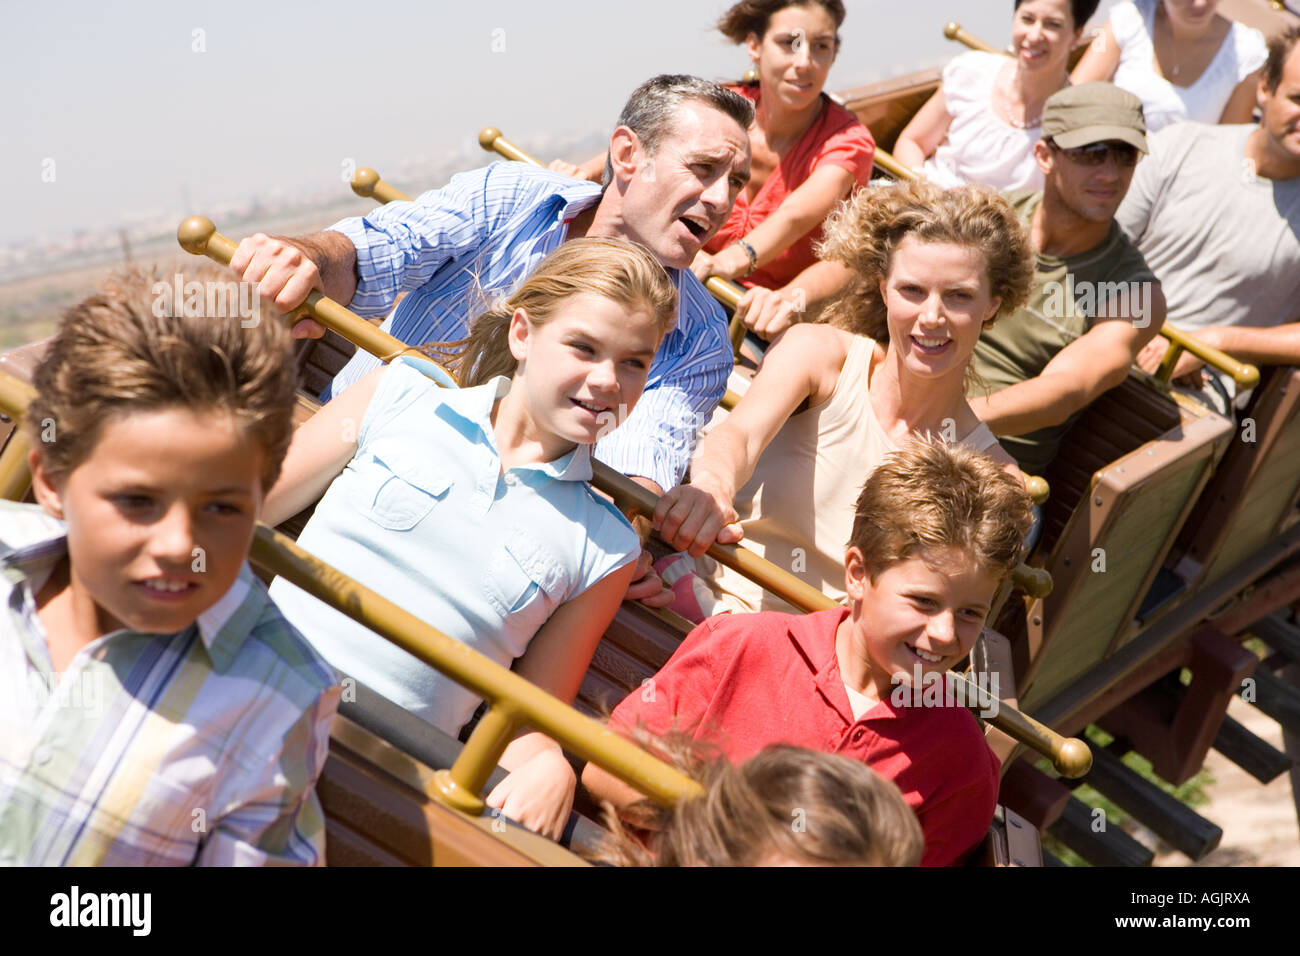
pixel 814 636
pixel 35 542
pixel 472 407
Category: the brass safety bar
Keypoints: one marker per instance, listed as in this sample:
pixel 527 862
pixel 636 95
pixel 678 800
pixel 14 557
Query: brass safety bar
pixel 15 476
pixel 1246 376
pixel 1070 756
pixel 514 702
pixel 954 31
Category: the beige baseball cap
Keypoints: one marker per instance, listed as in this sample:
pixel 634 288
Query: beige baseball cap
pixel 1091 113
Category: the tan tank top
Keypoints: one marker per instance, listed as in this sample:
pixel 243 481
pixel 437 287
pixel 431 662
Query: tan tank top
pixel 797 509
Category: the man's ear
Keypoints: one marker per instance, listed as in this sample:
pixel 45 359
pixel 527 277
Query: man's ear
pixel 625 154
pixel 517 335
pixel 47 490
pixel 855 574
pixel 1043 156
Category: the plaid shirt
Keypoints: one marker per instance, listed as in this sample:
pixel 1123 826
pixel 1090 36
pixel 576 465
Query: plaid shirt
pixel 197 747
pixel 455 248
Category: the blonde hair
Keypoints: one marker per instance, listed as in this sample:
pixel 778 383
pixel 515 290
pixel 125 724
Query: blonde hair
pixel 786 802
pixel 615 269
pixel 863 232
pixel 934 495
pixel 132 347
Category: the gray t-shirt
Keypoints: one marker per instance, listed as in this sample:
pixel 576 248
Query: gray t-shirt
pixel 1224 243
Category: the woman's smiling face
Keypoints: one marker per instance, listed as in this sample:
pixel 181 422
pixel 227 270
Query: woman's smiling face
pixel 937 297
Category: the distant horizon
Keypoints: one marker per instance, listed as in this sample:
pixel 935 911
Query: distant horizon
pixel 121 122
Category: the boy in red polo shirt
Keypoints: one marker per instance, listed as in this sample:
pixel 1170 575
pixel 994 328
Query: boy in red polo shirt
pixel 936 531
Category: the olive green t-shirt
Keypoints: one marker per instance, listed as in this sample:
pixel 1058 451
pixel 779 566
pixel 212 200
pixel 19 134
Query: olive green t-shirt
pixel 1062 306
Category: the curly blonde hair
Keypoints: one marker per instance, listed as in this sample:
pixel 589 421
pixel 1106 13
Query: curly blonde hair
pixel 863 232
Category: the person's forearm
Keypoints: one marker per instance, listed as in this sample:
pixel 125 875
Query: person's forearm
pixel 820 283
pixel 909 153
pixel 722 462
pixel 1279 345
pixel 604 787
pixel 335 258
pixel 1030 405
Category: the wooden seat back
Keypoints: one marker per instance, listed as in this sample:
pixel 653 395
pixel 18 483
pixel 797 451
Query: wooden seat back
pixel 1254 489
pixel 1145 460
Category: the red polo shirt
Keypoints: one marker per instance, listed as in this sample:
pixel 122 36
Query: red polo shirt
pixel 749 680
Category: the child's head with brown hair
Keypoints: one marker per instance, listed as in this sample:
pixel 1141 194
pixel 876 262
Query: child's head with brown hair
pixel 614 269
pixel 866 231
pixel 133 346
pixel 937 529
pixel 156 431
pixel 785 806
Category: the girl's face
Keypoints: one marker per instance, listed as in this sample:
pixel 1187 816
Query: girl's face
pixel 159 515
pixel 795 55
pixel 937 297
pixel 584 369
pixel 1043 33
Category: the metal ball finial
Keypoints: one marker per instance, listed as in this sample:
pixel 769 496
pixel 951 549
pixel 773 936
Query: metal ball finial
pixel 193 234
pixel 363 182
pixel 1074 759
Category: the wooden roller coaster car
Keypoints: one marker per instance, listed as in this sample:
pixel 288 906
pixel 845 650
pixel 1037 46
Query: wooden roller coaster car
pixel 1168 536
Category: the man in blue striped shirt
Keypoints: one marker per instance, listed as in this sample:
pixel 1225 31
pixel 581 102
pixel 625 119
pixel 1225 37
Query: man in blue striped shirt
pixel 677 161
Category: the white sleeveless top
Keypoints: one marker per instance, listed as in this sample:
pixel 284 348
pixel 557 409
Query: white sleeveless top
pixel 980 146
pixel 1242 52
pixel 797 509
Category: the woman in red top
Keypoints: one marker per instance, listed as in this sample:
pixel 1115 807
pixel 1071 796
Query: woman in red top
pixel 808 153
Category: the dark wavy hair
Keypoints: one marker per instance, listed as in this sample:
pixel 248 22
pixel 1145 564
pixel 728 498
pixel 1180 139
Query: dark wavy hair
pixel 753 16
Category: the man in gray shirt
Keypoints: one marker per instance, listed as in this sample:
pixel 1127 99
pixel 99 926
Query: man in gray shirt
pixel 1215 211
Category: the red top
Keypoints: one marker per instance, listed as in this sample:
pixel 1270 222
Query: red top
pixel 835 138
pixel 749 680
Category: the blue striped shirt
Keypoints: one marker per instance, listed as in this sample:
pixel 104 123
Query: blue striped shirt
pixel 452 249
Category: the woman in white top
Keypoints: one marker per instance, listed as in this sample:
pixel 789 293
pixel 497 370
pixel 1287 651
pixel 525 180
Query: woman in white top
pixel 1181 58
pixel 785 469
pixel 981 124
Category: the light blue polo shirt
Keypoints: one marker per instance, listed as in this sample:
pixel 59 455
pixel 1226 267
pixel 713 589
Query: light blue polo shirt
pixel 423 515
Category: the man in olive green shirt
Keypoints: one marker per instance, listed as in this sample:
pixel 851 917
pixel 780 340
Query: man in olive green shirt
pixel 1095 303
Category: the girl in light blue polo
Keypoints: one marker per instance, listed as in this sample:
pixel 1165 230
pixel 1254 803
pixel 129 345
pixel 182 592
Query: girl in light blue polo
pixel 470 507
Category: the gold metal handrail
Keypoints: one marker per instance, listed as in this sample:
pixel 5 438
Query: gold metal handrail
pixel 15 475
pixel 1246 376
pixel 1070 756
pixel 514 701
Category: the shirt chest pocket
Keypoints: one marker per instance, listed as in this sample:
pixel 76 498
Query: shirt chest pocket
pixel 396 489
pixel 525 577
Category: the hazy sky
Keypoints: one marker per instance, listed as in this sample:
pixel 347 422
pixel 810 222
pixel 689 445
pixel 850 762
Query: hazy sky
pixel 167 106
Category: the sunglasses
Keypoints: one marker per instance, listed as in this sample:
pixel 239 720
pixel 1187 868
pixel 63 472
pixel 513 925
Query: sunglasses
pixel 1095 154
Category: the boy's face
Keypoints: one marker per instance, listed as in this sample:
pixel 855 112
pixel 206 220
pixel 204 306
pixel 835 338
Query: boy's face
pixel 159 516
pixel 925 611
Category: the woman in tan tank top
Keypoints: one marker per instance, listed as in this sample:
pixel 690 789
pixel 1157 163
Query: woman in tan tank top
pixel 784 470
